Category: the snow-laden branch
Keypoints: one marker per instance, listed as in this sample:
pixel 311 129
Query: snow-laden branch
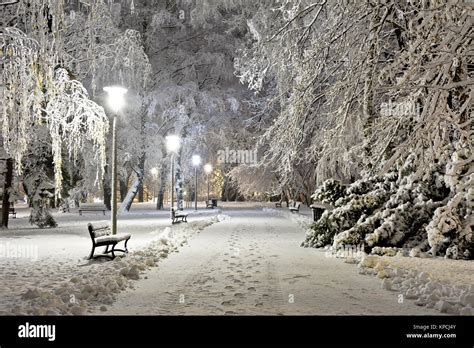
pixel 74 119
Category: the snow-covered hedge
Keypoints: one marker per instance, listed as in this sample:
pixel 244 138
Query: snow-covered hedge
pixel 400 209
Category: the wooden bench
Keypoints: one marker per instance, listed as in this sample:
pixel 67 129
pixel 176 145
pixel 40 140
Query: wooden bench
pixel 102 236
pixel 209 204
pixel 92 207
pixel 294 206
pixel 319 208
pixel 176 215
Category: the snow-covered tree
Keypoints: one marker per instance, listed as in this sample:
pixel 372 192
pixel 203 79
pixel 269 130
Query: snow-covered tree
pixel 357 88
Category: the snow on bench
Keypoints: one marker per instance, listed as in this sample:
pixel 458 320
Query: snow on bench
pixel 102 236
pixel 92 207
pixel 209 204
pixel 176 215
pixel 294 206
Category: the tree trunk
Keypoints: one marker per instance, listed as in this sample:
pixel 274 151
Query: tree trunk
pixel 141 168
pixel 161 191
pixel 369 91
pixel 107 189
pixel 6 192
pixel 123 186
pixel 131 194
pixel 159 200
pixel 127 202
pixel 179 183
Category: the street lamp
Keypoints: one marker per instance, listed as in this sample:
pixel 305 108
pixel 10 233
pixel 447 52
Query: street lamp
pixel 173 143
pixel 208 170
pixel 116 102
pixel 196 163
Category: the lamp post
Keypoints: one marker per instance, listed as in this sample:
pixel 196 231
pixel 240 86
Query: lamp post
pixel 208 170
pixel 116 102
pixel 196 163
pixel 172 146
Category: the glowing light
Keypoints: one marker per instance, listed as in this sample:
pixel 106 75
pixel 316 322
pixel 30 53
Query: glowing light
pixel 196 160
pixel 173 142
pixel 116 97
pixel 208 168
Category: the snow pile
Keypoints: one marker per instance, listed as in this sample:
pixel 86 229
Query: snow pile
pixel 399 209
pixel 97 284
pixel 301 220
pixel 420 286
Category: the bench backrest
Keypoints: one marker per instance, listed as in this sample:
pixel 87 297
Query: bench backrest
pixel 297 205
pixel 92 205
pixel 99 231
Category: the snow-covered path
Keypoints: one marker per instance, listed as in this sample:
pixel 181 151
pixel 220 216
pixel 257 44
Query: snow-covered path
pixel 253 264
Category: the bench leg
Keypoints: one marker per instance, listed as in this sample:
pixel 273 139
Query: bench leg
pixel 92 253
pixel 122 250
pixel 106 251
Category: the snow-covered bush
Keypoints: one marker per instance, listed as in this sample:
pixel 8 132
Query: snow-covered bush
pixel 398 210
pixel 329 192
pixel 362 198
pixel 450 230
pixel 40 214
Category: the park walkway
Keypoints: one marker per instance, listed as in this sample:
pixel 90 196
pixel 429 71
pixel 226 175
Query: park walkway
pixel 253 264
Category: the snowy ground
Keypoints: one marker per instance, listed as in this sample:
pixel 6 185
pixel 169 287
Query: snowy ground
pixel 252 264
pixel 47 271
pixel 241 260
